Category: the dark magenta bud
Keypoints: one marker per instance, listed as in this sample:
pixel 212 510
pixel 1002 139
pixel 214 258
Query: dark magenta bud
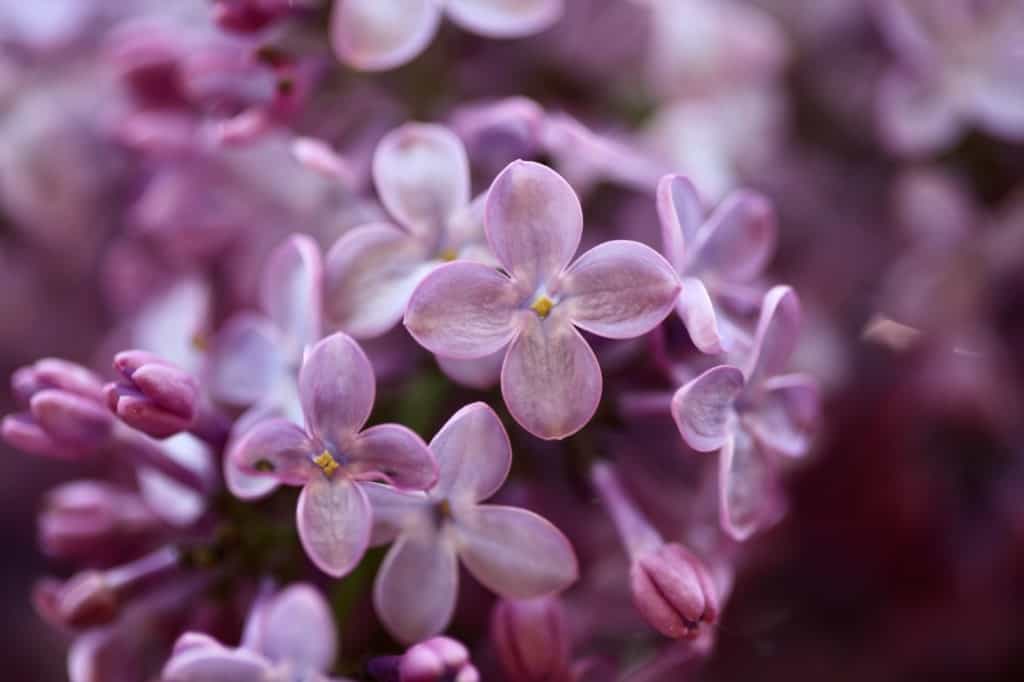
pixel 532 640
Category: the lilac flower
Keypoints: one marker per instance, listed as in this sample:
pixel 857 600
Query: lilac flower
pixel 334 457
pixel 255 357
pixel 959 65
pixel 511 551
pixel 532 640
pixel 752 415
pixel 375 35
pixel 154 396
pixel 422 177
pixel 550 379
pixel 288 636
pixel 439 659
pixel 718 257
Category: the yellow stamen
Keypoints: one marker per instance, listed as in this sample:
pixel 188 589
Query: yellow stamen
pixel 445 509
pixel 542 306
pixel 448 255
pixel 326 462
pixel 263 465
pixel 200 342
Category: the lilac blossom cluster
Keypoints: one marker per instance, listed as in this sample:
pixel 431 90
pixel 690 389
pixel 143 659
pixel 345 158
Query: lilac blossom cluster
pixel 399 362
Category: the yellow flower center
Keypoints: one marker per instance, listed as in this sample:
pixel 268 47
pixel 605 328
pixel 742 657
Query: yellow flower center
pixel 448 255
pixel 542 306
pixel 326 462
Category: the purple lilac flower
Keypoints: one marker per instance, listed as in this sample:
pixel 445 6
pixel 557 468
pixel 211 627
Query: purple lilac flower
pixel 422 177
pixel 532 640
pixel 333 457
pixel 511 551
pixel 752 415
pixel 959 64
pixel 289 636
pixel 718 256
pixel 439 659
pixel 375 35
pixel 550 379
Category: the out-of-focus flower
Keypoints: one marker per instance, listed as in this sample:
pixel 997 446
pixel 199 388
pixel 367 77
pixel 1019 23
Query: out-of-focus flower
pixel 532 639
pixel 671 587
pixel 752 415
pixel 550 379
pixel 289 636
pixel 718 257
pixel 438 659
pixel 511 551
pixel 422 178
pixel 375 35
pixel 959 64
pixel 333 457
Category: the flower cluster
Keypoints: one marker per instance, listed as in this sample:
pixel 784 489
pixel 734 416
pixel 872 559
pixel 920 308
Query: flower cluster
pixel 449 340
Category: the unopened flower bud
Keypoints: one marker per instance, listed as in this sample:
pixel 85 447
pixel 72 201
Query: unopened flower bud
pixel 439 659
pixel 532 640
pixel 248 16
pixel 674 591
pixel 59 424
pixel 56 374
pixel 155 397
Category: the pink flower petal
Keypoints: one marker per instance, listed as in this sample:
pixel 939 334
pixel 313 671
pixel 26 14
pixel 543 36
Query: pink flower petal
pixel 703 408
pixel 619 289
pixel 291 291
pixel 786 415
pixel 738 238
pixel 215 663
pixel 474 455
pixel 334 520
pixel 505 18
pixel 917 116
pixel 680 214
pixel 415 590
pixel 748 497
pixel 775 339
pixel 371 272
pixel 422 177
pixel 551 380
pixel 247 360
pixel 514 552
pixel 396 511
pixel 245 485
pixel 698 314
pixel 337 387
pixel 533 221
pixel 479 373
pixel 397 453
pixel 297 626
pixel 375 35
pixel 276 447
pixel 463 310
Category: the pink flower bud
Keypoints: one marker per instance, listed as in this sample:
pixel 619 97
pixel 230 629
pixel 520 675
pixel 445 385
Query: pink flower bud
pixel 155 397
pixel 673 590
pixel 532 639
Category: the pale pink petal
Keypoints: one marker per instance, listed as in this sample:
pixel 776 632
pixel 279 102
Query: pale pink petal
pixel 337 388
pixel 704 408
pixel 297 627
pixel 415 590
pixel 246 360
pixel 479 373
pixel 334 520
pixel 551 380
pixel 698 314
pixel 505 18
pixel 276 447
pixel 680 214
pixel 533 221
pixel 291 291
pixel 777 333
pixel 463 310
pixel 246 485
pixel 375 35
pixel 786 415
pixel 371 272
pixel 422 177
pixel 739 237
pixel 209 664
pixel 619 289
pixel 474 455
pixel 396 511
pixel 917 115
pixel 747 487
pixel 514 552
pixel 395 452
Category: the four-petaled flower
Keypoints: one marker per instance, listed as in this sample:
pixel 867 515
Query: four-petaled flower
pixel 511 551
pixel 374 35
pixel 550 378
pixel 288 636
pixel 718 257
pixel 752 415
pixel 333 458
pixel 422 177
